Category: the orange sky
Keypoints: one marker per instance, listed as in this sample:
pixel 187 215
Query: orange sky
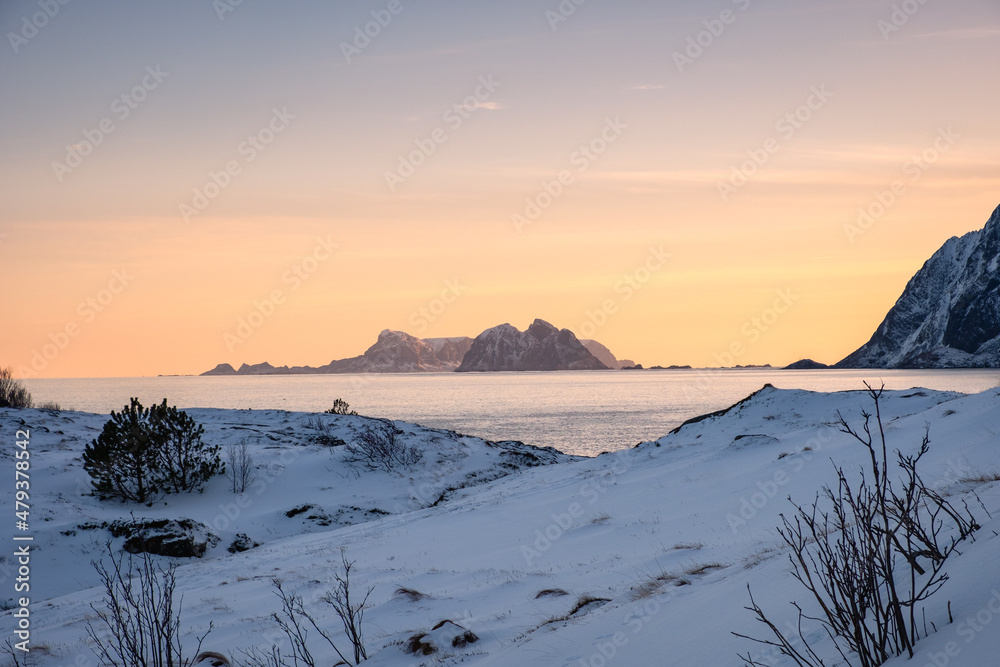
pixel 109 274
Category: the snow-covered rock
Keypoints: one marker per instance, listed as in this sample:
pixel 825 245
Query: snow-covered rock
pixel 178 538
pixel 541 348
pixel 949 313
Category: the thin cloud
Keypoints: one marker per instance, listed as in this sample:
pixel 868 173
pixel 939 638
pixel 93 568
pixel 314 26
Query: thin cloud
pixel 961 33
pixel 487 105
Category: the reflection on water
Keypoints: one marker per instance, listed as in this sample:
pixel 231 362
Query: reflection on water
pixel 582 412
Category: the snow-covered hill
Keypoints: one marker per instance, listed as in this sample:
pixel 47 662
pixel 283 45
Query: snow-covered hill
pixel 949 313
pixel 663 537
pixel 302 483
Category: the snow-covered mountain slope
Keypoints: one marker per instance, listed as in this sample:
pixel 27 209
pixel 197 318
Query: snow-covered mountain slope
pixel 949 313
pixel 541 348
pixel 665 537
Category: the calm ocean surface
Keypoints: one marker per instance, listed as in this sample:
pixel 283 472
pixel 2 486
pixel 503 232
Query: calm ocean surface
pixel 583 412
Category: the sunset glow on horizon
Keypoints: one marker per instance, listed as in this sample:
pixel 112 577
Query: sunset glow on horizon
pixel 200 183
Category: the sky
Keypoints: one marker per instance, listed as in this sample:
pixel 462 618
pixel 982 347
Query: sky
pixel 705 183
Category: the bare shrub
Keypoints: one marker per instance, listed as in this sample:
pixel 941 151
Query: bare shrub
pixel 12 392
pixel 255 657
pixel 139 623
pixel 295 620
pixel 18 657
pixel 351 614
pixel 240 466
pixel 324 433
pixel 379 447
pixel 869 554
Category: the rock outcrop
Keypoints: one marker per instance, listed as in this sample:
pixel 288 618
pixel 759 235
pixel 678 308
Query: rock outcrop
pixel 541 348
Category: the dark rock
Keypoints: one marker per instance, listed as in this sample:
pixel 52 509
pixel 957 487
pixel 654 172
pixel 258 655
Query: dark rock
pixel 241 543
pixel 298 510
pixel 180 538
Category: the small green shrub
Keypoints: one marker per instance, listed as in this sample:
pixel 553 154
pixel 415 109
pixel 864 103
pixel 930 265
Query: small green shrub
pixel 144 452
pixel 186 461
pixel 340 407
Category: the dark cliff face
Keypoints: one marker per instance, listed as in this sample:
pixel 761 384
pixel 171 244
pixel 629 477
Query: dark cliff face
pixel 604 355
pixel 541 348
pixel 949 313
pixel 221 369
pixel 450 350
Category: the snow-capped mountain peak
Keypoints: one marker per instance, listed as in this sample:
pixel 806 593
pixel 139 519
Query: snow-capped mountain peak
pixel 949 314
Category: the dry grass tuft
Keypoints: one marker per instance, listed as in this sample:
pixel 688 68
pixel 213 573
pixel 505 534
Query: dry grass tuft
pixel 984 478
pixel 409 594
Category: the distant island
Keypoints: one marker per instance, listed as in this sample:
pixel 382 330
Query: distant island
pixel 805 365
pixel 542 347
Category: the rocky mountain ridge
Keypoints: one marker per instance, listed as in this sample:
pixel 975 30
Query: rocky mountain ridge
pixel 393 352
pixel 542 347
pixel 949 314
